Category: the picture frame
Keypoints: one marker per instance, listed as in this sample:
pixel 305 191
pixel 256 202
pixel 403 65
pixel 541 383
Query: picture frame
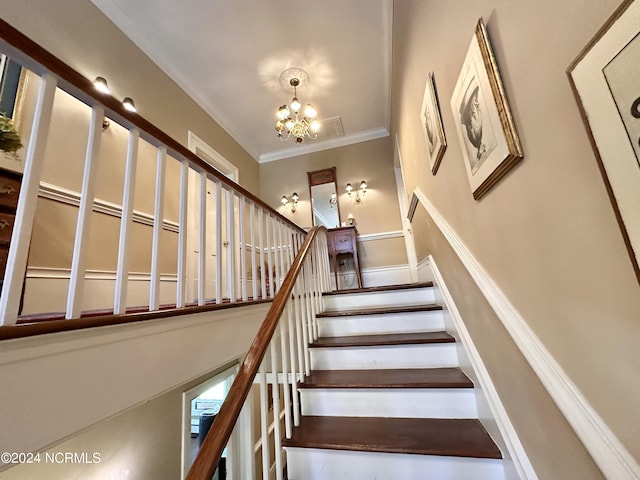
pixel 432 127
pixel 486 130
pixel 13 82
pixel 604 82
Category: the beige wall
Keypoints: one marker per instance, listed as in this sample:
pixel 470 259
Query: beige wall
pixel 76 32
pixel 143 442
pixel 546 233
pixel 378 213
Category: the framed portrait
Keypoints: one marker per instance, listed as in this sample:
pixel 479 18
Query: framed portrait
pixel 604 79
pixel 486 131
pixel 431 119
pixel 12 88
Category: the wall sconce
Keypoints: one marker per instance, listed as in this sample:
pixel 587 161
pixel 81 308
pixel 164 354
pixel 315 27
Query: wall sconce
pixel 100 84
pixel 360 193
pixel 294 202
pixel 129 105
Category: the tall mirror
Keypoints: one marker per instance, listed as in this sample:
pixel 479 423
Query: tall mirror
pixel 324 200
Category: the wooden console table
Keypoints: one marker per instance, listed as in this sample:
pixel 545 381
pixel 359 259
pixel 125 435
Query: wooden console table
pixel 340 241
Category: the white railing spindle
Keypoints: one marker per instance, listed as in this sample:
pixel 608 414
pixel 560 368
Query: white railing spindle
pixel 122 271
pixel 25 213
pixel 158 217
pixel 83 225
pixel 181 286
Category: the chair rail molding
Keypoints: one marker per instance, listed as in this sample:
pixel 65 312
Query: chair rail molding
pixel 607 450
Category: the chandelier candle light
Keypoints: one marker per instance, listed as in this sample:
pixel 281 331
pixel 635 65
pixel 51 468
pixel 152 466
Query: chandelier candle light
pixel 291 121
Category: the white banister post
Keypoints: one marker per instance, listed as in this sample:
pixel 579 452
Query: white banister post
pixel 231 245
pixel 85 210
pixel 286 383
pixel 275 391
pixel 122 272
pixel 182 234
pixel 25 213
pixel 291 324
pixel 263 276
pixel 264 423
pixel 252 236
pixel 243 249
pixel 219 276
pixel 269 256
pixel 158 217
pixel 202 239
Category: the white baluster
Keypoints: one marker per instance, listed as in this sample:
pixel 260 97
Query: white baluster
pixel 243 250
pixel 202 240
pixel 182 234
pixel 252 239
pixel 231 245
pixel 158 216
pixel 21 236
pixel 122 272
pixel 264 424
pixel 83 225
pixel 219 274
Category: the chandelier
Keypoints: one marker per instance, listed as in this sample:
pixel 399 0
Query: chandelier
pixel 292 122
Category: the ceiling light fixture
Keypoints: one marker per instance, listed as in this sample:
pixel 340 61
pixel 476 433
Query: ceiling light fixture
pixel 291 121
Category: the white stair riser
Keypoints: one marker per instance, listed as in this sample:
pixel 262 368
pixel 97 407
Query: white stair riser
pixel 388 356
pixel 396 298
pixel 407 322
pixel 385 402
pixel 317 464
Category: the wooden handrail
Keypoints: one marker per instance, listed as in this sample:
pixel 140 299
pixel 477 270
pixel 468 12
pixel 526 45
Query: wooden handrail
pixel 211 450
pixel 41 61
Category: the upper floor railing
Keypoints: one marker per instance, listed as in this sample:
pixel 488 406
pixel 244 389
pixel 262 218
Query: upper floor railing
pixel 114 216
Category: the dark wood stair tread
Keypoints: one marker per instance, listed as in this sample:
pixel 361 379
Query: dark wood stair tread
pixel 388 339
pixel 446 377
pixel 426 436
pixel 380 310
pixel 385 288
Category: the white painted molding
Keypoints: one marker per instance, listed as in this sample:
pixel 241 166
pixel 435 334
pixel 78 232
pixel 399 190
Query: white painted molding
pixel 516 450
pixel 65 274
pixel 608 452
pixel 70 197
pixel 325 145
pixel 367 237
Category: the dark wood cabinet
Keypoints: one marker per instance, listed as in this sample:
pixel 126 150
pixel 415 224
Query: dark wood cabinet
pixel 9 191
pixel 340 241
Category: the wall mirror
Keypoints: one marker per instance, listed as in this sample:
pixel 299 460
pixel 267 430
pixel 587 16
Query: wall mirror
pixel 324 200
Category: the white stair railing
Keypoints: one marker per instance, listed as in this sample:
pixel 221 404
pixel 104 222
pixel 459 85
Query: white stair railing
pixel 243 246
pixel 278 358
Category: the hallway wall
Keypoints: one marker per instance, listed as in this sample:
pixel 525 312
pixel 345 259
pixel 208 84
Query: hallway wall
pixel 546 233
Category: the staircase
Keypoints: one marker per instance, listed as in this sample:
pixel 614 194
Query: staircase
pixel 386 399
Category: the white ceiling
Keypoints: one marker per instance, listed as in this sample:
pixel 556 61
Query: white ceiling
pixel 228 55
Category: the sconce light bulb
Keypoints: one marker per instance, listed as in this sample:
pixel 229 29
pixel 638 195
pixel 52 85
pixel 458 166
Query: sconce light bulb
pixel 284 200
pixel 363 185
pixel 349 188
pixel 295 197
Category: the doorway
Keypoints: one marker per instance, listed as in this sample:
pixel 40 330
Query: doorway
pixel 200 405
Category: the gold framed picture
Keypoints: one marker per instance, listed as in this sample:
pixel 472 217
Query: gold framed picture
pixel 431 119
pixel 486 131
pixel 604 79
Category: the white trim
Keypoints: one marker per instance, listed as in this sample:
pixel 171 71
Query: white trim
pixel 517 452
pixel 388 275
pixel 609 453
pixel 220 163
pixel 71 197
pixel 65 274
pixel 380 236
pixel 325 145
